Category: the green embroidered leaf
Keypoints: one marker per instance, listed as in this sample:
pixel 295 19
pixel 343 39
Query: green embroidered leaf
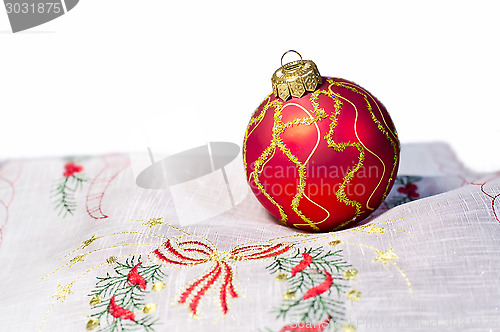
pixel 319 274
pixel 128 296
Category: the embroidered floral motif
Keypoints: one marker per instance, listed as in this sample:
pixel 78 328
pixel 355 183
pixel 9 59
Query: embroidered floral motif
pixel 406 191
pixel 190 250
pixel 315 277
pixel 409 190
pixel 118 300
pixel 317 280
pixel 64 192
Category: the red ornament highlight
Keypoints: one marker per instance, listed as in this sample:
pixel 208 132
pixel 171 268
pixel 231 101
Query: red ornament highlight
pixel 323 161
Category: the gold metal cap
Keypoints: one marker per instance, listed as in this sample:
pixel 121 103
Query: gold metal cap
pixel 295 78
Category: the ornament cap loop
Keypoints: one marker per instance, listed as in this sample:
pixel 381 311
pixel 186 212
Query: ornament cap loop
pixel 301 61
pixel 293 79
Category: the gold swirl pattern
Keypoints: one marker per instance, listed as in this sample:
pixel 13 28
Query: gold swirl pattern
pixel 394 144
pixel 256 120
pixel 339 147
pixel 364 146
pixel 302 170
pixel 269 151
pixel 394 133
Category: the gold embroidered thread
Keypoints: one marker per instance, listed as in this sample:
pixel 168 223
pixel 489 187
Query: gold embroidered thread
pixel 149 308
pixel 79 258
pixel 158 286
pixel 289 295
pixel 95 300
pixel 281 277
pixel 354 295
pixel 63 291
pixel 311 238
pixel 87 243
pixel 385 257
pixel 350 274
pixel 349 328
pixel 111 260
pixel 153 222
pixel 370 228
pixel 92 324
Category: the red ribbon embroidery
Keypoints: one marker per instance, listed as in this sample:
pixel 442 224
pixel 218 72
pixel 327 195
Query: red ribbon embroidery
pixel 303 264
pixel 321 288
pixel 114 165
pixel 118 312
pixel 190 251
pixel 134 278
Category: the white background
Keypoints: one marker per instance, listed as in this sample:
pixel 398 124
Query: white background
pixel 120 75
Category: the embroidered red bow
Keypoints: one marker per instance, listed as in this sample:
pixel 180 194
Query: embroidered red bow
pixel 189 251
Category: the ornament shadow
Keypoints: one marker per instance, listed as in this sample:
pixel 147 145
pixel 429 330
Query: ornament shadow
pixel 204 181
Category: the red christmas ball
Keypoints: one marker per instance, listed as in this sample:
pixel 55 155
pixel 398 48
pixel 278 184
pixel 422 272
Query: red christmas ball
pixel 322 161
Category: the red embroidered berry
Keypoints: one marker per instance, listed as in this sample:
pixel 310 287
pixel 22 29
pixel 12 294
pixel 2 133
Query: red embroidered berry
pixel 134 278
pixel 71 168
pixel 410 190
pixel 303 264
pixel 321 288
pixel 118 312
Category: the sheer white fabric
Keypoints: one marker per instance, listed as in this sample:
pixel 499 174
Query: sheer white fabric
pixel 430 263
